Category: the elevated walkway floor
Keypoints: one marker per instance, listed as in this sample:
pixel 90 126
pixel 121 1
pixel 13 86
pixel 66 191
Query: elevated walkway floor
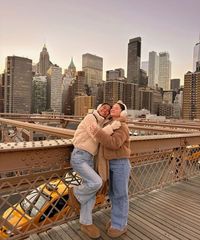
pixel 172 213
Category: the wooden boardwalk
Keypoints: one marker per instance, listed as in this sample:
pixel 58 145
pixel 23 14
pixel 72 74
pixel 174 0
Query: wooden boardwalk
pixel 171 213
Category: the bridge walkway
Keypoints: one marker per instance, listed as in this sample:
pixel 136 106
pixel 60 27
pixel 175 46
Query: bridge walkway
pixel 171 213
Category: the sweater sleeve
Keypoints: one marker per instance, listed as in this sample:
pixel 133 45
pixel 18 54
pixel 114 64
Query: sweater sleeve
pixel 115 141
pixel 108 129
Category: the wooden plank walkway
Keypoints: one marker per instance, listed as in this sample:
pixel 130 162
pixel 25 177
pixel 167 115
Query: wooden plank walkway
pixel 168 214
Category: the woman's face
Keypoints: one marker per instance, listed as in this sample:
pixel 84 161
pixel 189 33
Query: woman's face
pixel 104 110
pixel 115 110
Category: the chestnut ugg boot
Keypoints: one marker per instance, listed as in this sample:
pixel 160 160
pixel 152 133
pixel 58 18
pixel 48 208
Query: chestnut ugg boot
pixel 114 233
pixel 91 230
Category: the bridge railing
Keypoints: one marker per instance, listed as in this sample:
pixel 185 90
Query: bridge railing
pixel 35 177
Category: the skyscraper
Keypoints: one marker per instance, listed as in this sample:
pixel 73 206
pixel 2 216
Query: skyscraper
pixel 117 74
pixel 177 105
pixel 69 75
pixel 133 65
pixel 175 84
pixel 196 54
pixel 131 95
pixel 143 78
pixel 18 85
pixel 164 71
pixel 71 70
pixel 44 62
pixel 78 84
pixel 2 77
pixel 77 88
pixel 82 104
pixel 54 75
pixel 39 94
pixel 92 65
pixel 191 97
pixel 113 91
pixel 153 69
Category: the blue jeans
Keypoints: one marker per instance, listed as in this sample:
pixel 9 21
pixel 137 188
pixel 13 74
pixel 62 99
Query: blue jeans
pixel 82 162
pixel 118 192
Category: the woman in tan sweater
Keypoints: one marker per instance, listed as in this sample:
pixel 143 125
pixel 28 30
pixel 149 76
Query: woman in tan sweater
pixel 116 149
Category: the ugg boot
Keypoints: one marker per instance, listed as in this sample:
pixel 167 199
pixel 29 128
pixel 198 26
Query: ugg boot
pixel 91 230
pixel 114 233
pixel 73 202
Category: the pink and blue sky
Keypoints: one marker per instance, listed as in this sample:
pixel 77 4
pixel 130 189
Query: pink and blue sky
pixel 71 28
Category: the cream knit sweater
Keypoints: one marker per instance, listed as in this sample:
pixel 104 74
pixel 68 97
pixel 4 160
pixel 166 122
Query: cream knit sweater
pixel 83 138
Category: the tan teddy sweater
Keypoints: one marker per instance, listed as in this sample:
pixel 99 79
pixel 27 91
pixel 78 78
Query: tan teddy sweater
pixel 115 146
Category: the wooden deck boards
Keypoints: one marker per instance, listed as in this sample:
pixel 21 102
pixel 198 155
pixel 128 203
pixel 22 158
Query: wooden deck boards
pixel 172 213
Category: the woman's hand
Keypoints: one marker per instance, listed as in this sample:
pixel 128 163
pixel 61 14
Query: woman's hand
pixel 115 124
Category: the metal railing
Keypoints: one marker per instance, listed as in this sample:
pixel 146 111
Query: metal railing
pixel 35 177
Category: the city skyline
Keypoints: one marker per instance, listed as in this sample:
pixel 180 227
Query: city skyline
pixel 70 29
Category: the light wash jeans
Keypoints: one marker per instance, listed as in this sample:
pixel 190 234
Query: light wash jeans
pixel 118 192
pixel 82 162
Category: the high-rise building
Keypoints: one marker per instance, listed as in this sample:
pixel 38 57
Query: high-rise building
pixel 2 77
pixel 71 70
pixel 146 98
pixel 113 91
pixel 76 88
pixel 175 84
pixel 54 88
pixel 164 71
pixel 69 108
pixel 191 97
pixel 196 54
pixel 69 75
pixel 18 85
pixel 169 96
pixel 149 99
pixel 133 65
pixel 143 78
pixel 78 84
pixel 44 62
pixel 92 65
pixel 157 100
pixel 39 94
pixel 117 74
pixel 198 66
pixel 99 94
pixel 177 105
pixel 131 95
pixel 82 104
pixel 166 109
pixel 153 69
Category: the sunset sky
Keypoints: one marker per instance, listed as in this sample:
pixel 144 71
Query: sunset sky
pixel 71 28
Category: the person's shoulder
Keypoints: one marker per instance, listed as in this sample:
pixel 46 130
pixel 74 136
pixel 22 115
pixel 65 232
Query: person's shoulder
pixel 124 127
pixel 90 117
pixel 122 119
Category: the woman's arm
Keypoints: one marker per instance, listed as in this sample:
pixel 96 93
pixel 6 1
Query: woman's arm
pixel 115 141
